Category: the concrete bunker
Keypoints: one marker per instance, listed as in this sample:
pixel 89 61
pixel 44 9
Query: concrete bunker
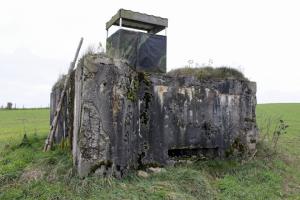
pixel 124 114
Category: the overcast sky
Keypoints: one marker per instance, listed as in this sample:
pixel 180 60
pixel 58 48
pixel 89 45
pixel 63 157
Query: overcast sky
pixel 38 40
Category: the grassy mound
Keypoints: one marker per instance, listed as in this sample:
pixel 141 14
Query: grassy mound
pixel 209 73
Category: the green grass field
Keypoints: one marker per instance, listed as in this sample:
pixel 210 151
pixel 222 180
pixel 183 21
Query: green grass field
pixel 29 173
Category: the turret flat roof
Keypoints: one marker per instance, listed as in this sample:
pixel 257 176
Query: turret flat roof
pixel 136 20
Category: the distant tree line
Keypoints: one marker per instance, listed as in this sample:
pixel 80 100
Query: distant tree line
pixel 11 106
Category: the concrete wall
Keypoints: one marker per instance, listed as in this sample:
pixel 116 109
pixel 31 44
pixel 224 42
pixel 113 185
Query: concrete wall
pixel 125 120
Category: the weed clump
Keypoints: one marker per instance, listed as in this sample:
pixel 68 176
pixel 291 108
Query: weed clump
pixel 25 141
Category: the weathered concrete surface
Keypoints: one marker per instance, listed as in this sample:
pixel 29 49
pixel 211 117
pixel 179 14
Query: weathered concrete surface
pixel 128 120
pixel 65 119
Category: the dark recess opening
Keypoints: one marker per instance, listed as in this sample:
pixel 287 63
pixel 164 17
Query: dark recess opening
pixel 185 152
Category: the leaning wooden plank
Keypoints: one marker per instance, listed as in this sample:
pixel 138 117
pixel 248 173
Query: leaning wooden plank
pixel 49 140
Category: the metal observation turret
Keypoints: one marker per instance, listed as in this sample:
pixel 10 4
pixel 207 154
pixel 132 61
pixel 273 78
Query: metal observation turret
pixel 143 50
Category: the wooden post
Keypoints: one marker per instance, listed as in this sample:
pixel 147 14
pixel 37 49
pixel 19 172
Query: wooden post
pixel 49 140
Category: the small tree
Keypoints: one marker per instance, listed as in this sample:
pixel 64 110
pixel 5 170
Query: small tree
pixel 9 105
